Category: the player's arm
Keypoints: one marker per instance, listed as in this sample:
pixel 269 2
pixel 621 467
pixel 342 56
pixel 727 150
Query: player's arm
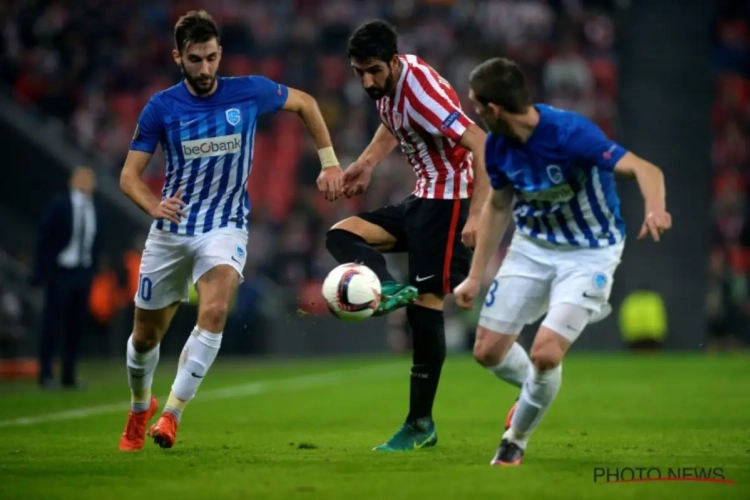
pixel 381 145
pixel 330 178
pixel 650 180
pixel 474 139
pixel 588 142
pixel 307 108
pixel 131 181
pixel 271 97
pixel 142 147
pixel 493 222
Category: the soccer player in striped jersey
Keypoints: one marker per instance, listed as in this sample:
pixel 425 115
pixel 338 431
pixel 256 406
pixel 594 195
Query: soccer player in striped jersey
pixel 206 127
pixel 436 225
pixel 568 241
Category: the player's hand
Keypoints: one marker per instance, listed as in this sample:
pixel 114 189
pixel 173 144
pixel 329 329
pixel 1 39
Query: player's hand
pixel 466 292
pixel 656 223
pixel 330 182
pixel 171 208
pixel 469 233
pixel 356 179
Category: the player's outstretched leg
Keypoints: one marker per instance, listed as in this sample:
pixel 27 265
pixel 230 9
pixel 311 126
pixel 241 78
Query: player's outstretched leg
pixel 428 334
pixel 142 358
pixel 215 289
pixel 563 324
pixel 502 356
pixel 355 240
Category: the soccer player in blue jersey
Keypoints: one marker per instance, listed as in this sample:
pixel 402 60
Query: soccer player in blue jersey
pixel 206 126
pixel 569 237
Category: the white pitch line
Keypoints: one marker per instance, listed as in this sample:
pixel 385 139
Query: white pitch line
pixel 234 391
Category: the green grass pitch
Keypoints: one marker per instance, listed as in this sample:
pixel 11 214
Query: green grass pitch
pixel 261 430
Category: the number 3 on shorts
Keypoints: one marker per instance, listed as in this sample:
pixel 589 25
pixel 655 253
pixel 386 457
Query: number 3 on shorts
pixel 490 298
pixel 145 287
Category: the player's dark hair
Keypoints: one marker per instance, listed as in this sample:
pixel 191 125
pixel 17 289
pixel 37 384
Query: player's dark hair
pixel 197 26
pixel 500 81
pixel 373 40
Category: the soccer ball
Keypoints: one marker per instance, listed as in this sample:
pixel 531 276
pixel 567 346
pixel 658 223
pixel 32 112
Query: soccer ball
pixel 352 292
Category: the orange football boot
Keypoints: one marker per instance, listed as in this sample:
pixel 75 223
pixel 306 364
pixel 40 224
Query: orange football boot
pixel 509 416
pixel 134 435
pixel 164 431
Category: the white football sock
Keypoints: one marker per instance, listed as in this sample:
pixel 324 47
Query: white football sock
pixel 141 368
pixel 537 395
pixel 197 357
pixel 515 367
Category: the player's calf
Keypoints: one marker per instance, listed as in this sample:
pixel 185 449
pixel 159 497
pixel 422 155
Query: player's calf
pixel 428 334
pixel 502 355
pixel 216 289
pixel 560 328
pixel 142 354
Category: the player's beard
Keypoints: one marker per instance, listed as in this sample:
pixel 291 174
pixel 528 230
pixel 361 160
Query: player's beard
pixel 498 126
pixel 376 93
pixel 201 84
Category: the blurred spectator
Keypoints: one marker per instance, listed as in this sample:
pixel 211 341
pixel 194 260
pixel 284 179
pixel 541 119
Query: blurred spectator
pixel 728 301
pixel 94 65
pixel 66 261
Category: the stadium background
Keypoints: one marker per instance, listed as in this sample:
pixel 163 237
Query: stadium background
pixel 657 75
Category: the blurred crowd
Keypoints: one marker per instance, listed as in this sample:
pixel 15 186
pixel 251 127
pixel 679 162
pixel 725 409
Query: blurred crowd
pixel 93 64
pixel 729 297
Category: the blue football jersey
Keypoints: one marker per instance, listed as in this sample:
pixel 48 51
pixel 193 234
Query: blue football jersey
pixel 563 180
pixel 208 147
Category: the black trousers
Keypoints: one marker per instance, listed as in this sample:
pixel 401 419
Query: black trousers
pixel 66 311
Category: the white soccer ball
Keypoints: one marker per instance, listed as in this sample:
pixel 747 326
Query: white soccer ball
pixel 352 292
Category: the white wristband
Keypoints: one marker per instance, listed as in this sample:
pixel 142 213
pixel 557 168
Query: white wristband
pixel 327 158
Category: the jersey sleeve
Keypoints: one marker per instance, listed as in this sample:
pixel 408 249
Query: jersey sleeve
pixel 269 95
pixel 148 130
pixel 498 180
pixel 587 143
pixel 430 107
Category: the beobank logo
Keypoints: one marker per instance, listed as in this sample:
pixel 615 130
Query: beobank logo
pixel 216 146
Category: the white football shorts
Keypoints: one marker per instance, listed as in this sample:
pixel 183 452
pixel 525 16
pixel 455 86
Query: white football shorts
pixel 536 276
pixel 172 262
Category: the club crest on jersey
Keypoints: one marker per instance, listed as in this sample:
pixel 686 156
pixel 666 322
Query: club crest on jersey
pixel 234 117
pixel 240 251
pixel 398 120
pixel 554 172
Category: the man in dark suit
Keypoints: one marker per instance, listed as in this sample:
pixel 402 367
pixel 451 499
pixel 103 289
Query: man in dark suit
pixel 65 264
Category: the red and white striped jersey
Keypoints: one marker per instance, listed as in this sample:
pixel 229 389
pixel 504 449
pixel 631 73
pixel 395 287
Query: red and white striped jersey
pixel 425 116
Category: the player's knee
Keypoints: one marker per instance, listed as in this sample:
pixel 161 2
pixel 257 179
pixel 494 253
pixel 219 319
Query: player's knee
pixel 350 224
pixel 337 238
pixel 548 350
pixel 490 347
pixel 430 301
pixel 149 327
pixel 356 228
pixel 213 316
pixel 146 335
